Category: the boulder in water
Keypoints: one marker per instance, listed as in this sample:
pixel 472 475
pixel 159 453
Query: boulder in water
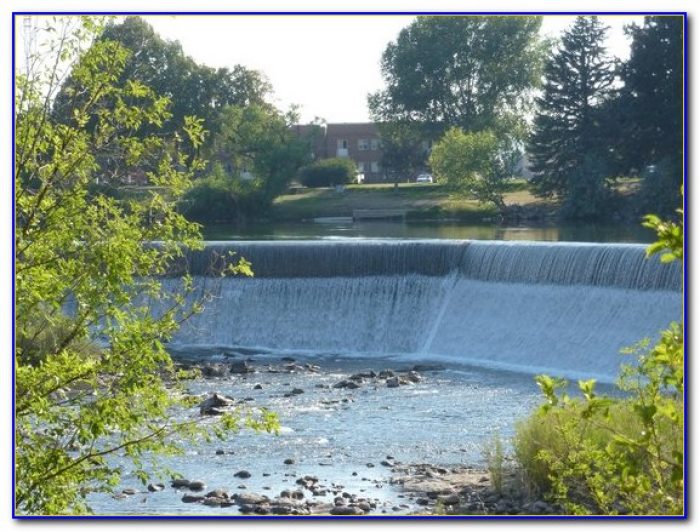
pixel 214 370
pixel 241 366
pixel 213 405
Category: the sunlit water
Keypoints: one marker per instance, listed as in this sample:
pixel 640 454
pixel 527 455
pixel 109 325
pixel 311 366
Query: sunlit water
pixel 446 419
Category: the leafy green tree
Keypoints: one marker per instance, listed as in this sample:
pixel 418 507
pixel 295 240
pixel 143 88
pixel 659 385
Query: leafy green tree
pixel 476 163
pixel 257 143
pixel 651 107
pixel 328 172
pixel 471 72
pixel 193 89
pixel 404 148
pixel 93 380
pixel 578 79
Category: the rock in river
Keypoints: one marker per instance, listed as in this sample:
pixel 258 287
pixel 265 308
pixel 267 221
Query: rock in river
pixel 212 405
pixel 197 485
pixel 250 499
pixel 241 366
pixel 243 474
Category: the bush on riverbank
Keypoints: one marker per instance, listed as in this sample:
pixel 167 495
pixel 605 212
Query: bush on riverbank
pixel 221 198
pixel 606 455
pixel 328 172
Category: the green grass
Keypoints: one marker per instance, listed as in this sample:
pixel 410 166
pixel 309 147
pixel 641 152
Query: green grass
pixel 419 200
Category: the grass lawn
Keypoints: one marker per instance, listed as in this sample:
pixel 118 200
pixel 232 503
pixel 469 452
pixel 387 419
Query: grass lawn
pixel 419 200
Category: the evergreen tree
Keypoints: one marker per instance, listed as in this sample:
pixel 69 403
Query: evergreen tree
pixel 652 104
pixel 568 128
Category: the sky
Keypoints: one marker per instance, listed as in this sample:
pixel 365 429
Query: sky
pixel 325 64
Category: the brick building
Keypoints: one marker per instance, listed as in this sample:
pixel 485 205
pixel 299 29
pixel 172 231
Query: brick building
pixel 358 141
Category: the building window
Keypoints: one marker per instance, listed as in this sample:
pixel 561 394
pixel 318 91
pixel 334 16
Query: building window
pixel 374 166
pixel 342 144
pixel 363 144
pixel 375 144
pixel 361 167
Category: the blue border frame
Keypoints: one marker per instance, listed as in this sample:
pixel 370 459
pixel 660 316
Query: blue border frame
pixel 684 516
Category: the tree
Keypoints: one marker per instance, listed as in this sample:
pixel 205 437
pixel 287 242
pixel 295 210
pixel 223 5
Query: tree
pixel 256 142
pixel 578 79
pixel 193 89
pixel 404 148
pixel 92 376
pixel 652 104
pixel 476 163
pixel 471 72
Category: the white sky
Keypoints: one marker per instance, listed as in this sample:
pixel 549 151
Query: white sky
pixel 325 64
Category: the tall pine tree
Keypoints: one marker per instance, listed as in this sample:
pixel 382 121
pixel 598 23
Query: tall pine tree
pixel 652 106
pixel 567 147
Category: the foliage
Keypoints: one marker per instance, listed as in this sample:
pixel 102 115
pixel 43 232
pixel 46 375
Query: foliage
pixel 256 143
pixel 670 237
pixel 612 455
pixel 495 459
pixel 222 198
pixel 193 89
pixel 652 97
pixel 93 380
pixel 404 148
pixel 568 124
pixel 328 172
pixel 471 72
pixel 476 163
pixel 589 195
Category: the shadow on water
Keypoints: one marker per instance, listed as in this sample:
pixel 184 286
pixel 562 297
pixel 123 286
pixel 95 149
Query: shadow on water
pixel 421 230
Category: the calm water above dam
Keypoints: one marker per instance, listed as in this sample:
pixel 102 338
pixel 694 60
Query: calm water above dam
pixel 580 232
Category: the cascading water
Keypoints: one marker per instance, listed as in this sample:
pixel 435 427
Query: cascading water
pixel 566 309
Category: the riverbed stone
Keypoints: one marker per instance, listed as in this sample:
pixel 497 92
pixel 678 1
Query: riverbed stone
pixel 240 366
pixel 197 485
pixel 156 487
pixel 346 510
pixel 214 370
pixel 214 404
pixel 393 382
pixel 251 499
pixel 129 491
pixel 346 385
pixel 289 461
pixel 450 499
pixel 242 474
pixel 180 483
pixel 218 493
pixel 191 498
pixel 414 377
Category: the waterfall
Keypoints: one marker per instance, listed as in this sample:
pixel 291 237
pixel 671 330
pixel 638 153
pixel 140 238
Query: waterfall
pixel 566 309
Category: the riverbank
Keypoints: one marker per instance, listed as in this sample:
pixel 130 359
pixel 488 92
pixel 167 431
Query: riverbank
pixel 416 201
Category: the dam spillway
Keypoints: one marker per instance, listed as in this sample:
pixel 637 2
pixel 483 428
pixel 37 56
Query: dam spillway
pixel 562 308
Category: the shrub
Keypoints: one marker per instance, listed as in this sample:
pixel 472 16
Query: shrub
pixel 221 198
pixel 328 172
